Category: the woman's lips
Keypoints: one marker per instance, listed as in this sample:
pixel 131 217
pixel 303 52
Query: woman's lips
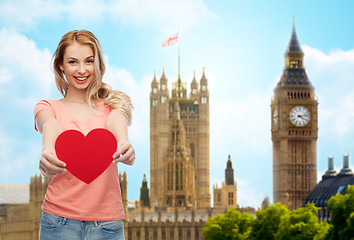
pixel 81 79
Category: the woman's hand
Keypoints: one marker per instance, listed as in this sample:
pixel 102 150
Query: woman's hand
pixel 125 153
pixel 50 165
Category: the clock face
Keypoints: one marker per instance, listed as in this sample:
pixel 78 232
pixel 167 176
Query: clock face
pixel 299 116
pixel 275 117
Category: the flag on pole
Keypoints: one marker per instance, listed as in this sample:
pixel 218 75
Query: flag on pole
pixel 170 41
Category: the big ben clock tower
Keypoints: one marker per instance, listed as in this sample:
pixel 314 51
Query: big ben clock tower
pixel 294 129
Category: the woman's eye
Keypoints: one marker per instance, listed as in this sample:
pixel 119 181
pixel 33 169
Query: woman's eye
pixel 72 62
pixel 89 61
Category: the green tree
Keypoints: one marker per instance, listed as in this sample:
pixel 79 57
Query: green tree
pixel 230 226
pixel 302 224
pixel 267 221
pixel 341 208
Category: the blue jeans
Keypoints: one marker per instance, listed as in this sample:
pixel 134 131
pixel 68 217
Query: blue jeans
pixel 53 227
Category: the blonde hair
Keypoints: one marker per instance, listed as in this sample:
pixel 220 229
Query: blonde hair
pixel 97 89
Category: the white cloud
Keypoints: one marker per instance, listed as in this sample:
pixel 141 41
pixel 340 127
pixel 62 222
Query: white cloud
pixel 138 91
pixel 18 155
pixel 25 14
pixel 5 75
pixel 246 121
pixel 247 196
pixel 162 13
pixel 332 76
pixel 158 12
pixel 24 66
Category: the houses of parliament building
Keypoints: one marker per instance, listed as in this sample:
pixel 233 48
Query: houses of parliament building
pixel 178 202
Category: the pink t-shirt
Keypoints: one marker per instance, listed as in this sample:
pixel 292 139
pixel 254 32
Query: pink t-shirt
pixel 68 196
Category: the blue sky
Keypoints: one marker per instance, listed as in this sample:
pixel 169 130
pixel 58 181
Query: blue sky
pixel 241 44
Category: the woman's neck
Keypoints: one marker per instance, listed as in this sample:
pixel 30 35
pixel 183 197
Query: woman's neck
pixel 76 95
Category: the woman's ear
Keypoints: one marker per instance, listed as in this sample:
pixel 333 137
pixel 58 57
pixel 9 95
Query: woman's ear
pixel 62 69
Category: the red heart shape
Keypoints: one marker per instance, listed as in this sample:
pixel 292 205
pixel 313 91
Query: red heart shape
pixel 86 157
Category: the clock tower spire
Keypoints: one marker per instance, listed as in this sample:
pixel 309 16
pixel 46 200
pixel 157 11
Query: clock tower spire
pixel 294 129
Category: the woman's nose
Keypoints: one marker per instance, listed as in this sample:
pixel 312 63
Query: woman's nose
pixel 82 69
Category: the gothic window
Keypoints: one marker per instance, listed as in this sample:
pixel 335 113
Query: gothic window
pixel 154 102
pixel 192 149
pixel 181 176
pixel 170 176
pixel 231 198
pixel 154 90
pixel 177 182
pixel 163 87
pixel 194 91
pixel 172 234
pixel 204 100
pixel 203 88
pixel 294 64
pixel 163 98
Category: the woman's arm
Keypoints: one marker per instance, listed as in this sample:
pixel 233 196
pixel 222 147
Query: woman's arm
pixel 117 124
pixel 48 126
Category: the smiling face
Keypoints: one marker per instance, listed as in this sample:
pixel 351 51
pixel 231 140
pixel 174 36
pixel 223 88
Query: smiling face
pixel 78 66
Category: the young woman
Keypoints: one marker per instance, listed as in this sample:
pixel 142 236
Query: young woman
pixel 73 209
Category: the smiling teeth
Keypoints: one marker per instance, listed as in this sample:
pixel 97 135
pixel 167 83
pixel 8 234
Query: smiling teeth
pixel 81 78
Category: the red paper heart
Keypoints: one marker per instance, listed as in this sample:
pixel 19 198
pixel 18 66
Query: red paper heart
pixel 86 157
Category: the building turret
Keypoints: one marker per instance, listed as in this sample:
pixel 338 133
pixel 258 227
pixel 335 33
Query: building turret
pixel 163 87
pixel 163 79
pixel 265 203
pixel 226 196
pixel 179 89
pixel 194 86
pixel 345 171
pixel 123 182
pixel 203 82
pixel 330 172
pixel 229 172
pixel 154 84
pixel 144 194
pixel 294 74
